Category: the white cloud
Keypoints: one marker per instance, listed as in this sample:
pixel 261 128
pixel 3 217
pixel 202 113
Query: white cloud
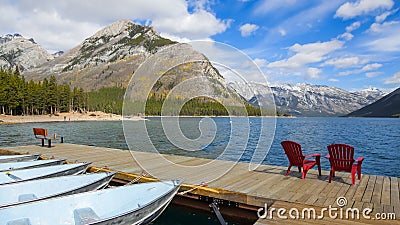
pixel 350 10
pixel 346 36
pixel 345 62
pixel 372 66
pixel 380 28
pixel 260 62
pixel 383 16
pixel 307 53
pixel 353 26
pixel 282 31
pixel 384 37
pixel 248 29
pixel 270 6
pixel 312 73
pixel 373 74
pixel 368 67
pixel 333 80
pixel 60 25
pixel 395 79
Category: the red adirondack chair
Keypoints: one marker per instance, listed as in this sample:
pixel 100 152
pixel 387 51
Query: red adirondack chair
pixel 296 158
pixel 341 157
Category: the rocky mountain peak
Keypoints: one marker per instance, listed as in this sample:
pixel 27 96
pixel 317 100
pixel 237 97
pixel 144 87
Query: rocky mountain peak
pixel 16 50
pixel 107 58
pixel 115 28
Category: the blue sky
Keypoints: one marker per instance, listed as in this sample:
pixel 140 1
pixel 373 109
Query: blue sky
pixel 348 44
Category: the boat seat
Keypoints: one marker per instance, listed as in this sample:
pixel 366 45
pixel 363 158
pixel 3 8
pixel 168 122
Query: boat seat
pixel 26 197
pixel 85 216
pixel 23 221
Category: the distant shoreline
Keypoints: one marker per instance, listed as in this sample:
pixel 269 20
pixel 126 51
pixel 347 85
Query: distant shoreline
pixel 95 116
pixel 65 117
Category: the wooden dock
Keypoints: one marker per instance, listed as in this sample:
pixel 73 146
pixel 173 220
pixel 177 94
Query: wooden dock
pixel 268 184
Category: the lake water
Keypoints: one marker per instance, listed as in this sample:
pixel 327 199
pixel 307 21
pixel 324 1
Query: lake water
pixel 377 139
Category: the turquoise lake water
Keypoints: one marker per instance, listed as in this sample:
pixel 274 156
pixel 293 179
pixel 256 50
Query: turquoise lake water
pixel 377 139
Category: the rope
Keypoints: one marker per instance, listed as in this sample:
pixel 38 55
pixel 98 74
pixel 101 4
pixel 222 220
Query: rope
pixel 137 178
pixel 190 190
pixel 12 176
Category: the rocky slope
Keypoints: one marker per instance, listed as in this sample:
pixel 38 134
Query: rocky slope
pixel 106 59
pixel 388 106
pixel 309 100
pixel 111 56
pixel 15 50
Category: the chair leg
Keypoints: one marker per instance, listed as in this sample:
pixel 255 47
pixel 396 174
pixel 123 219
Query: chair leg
pixel 299 169
pixel 303 175
pixel 288 170
pixel 331 175
pixel 318 160
pixel 353 174
pixel 359 171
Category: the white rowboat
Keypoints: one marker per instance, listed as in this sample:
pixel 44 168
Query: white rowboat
pixel 29 164
pixel 42 172
pixel 34 190
pixel 130 204
pixel 18 158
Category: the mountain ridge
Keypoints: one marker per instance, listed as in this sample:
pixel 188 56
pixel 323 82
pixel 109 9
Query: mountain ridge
pixel 16 50
pixel 388 106
pixel 307 99
pixel 106 59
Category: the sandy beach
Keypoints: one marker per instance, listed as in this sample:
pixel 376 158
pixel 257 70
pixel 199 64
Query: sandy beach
pixel 90 116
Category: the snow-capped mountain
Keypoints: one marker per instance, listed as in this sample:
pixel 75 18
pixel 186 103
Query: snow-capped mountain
pixel 110 57
pixel 307 99
pixel 388 106
pixel 15 50
pixel 107 58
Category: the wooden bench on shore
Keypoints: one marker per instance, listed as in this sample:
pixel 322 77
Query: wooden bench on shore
pixel 41 133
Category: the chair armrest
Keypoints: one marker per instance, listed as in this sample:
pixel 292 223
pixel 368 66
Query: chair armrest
pixel 327 156
pixel 360 159
pixel 313 155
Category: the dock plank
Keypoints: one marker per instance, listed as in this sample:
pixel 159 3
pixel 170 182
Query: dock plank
pixel 266 183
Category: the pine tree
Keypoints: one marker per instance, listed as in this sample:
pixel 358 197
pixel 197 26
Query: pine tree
pixel 51 93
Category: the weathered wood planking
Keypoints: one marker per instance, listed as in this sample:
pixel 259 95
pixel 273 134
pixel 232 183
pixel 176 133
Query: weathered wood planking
pixel 266 184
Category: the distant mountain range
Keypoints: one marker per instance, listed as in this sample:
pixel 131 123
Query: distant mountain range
pixel 388 106
pixel 307 99
pixel 113 54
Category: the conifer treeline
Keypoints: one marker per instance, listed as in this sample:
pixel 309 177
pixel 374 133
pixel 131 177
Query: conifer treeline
pixel 20 97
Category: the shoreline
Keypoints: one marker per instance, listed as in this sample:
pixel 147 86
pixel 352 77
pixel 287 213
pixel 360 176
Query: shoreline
pixel 92 116
pixel 65 117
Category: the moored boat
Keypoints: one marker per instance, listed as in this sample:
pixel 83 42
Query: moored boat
pixel 42 172
pixel 34 190
pixel 130 204
pixel 29 164
pixel 18 158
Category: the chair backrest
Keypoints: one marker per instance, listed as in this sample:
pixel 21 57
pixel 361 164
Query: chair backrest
pixel 341 156
pixel 40 132
pixel 293 152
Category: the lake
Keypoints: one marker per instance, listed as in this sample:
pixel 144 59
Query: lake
pixel 377 139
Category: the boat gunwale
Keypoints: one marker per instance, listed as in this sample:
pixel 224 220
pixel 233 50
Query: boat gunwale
pixel 84 166
pixel 109 176
pixel 176 183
